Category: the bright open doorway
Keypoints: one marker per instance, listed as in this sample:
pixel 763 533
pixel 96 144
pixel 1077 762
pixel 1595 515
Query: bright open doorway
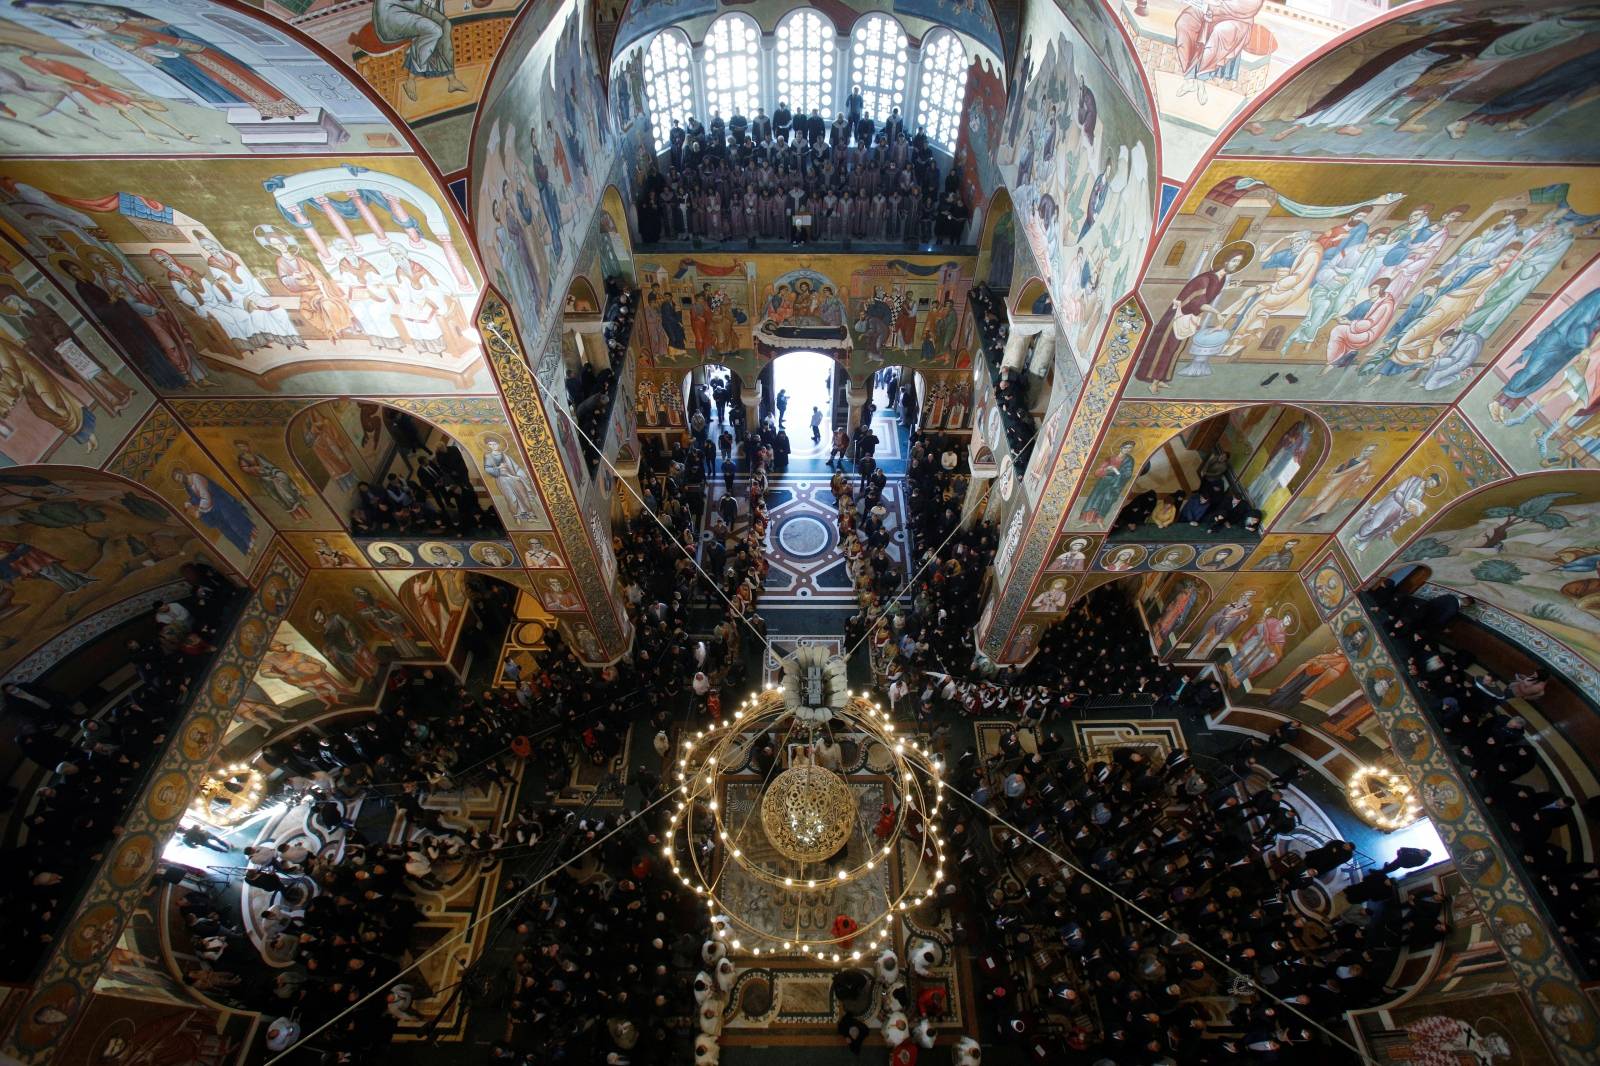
pixel 805 381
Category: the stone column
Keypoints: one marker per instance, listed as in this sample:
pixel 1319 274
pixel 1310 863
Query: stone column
pixel 598 631
pixel 750 397
pixel 1044 353
pixel 1016 354
pixel 859 395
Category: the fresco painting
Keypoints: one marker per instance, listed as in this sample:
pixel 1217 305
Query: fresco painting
pixel 1391 283
pixel 1286 456
pixel 1208 62
pixel 76 542
pixel 1539 404
pixel 1450 462
pixel 1252 626
pixel 983 121
pixel 294 671
pixel 1362 452
pixel 353 621
pixel 166 77
pixel 1530 547
pixel 1080 163
pixel 261 275
pixel 436 600
pixel 328 550
pixel 64 396
pixel 1105 481
pixel 429 62
pixel 543 149
pixel 184 474
pixel 738 310
pixel 1168 603
pixel 250 441
pixel 1284 551
pixel 1471 81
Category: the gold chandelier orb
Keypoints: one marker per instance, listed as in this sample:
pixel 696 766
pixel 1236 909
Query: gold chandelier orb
pixel 808 813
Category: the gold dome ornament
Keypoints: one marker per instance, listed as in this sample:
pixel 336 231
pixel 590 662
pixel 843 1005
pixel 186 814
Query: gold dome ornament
pixel 810 880
pixel 808 813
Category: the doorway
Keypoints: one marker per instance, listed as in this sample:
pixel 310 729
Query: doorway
pixel 805 381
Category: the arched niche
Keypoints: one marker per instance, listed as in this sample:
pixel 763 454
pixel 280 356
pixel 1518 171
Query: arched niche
pixel 1262 453
pixel 1033 299
pixel 341 445
pixel 998 246
pixel 75 543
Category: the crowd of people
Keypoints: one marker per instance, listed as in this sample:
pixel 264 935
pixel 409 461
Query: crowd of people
pixel 1492 743
pixel 798 177
pixel 934 635
pixel 1197 854
pixel 591 389
pixel 436 496
pixel 1218 506
pixel 90 762
pixel 338 901
pixel 1011 384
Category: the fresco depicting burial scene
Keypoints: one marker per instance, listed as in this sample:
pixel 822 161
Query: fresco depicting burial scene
pixel 75 542
pixel 1398 288
pixel 429 62
pixel 1469 81
pixel 1079 160
pixel 65 397
pixel 539 162
pixel 260 275
pixel 1530 547
pixel 169 77
pixel 1538 404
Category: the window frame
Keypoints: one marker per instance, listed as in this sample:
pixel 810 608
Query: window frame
pixel 879 99
pixel 661 112
pixel 744 100
pixel 827 66
pixel 948 120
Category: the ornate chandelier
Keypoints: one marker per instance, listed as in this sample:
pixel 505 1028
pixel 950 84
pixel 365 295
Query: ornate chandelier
pixel 1383 797
pixel 805 822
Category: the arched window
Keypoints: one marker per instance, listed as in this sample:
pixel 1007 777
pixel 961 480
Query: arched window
pixel 733 67
pixel 878 64
pixel 805 62
pixel 942 88
pixel 667 95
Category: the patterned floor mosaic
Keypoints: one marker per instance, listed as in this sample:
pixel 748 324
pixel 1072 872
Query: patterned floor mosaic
pixel 807 561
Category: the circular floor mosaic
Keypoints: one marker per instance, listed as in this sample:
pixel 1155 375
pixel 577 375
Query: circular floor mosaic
pixel 804 536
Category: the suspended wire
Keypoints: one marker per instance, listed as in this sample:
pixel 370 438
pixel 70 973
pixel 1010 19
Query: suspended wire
pixel 454 936
pixel 1125 901
pixel 566 413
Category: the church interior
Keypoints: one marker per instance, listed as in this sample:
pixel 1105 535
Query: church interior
pixel 644 532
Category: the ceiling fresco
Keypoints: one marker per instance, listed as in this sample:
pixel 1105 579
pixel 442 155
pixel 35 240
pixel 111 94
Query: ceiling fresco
pixel 169 77
pixel 429 63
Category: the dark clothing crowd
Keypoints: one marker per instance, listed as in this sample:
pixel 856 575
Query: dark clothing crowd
pixel 797 177
pixel 1492 742
pixel 93 762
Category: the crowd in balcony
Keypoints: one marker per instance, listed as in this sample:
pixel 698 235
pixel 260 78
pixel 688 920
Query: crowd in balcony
pixel 90 765
pixel 1011 384
pixel 1535 811
pixel 748 178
